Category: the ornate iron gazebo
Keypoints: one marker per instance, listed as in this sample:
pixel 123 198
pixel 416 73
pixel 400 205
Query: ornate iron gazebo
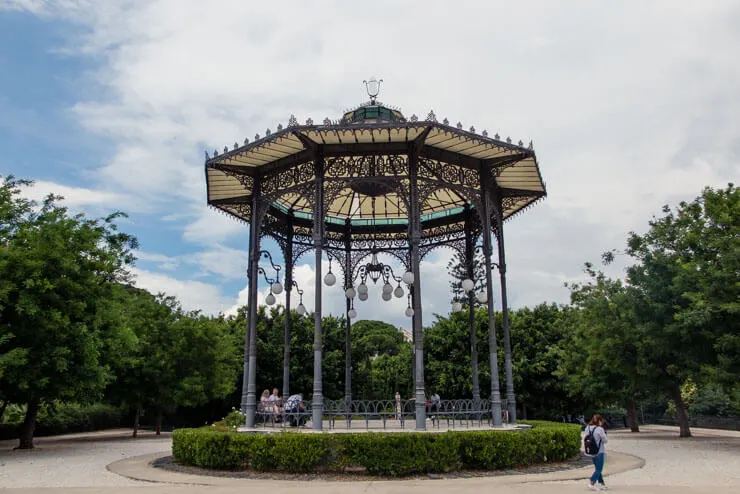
pixel 374 181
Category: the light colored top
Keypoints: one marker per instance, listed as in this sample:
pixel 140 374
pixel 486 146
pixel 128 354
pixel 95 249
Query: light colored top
pixel 599 435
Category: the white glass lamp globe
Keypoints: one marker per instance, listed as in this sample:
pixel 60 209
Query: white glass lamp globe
pixel 350 292
pixel 270 299
pixel 387 288
pixel 482 297
pixel 409 312
pixel 362 288
pixel 352 313
pixel 362 296
pixel 398 292
pixel 301 309
pixel 456 307
pixel 330 279
pixel 386 296
pixel 468 285
pixel 277 288
pixel 408 278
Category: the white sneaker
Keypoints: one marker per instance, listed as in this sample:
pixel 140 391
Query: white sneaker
pixel 594 487
pixel 603 487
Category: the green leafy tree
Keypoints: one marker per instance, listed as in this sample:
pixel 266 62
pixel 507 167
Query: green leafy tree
pixel 604 361
pixel 688 291
pixel 56 269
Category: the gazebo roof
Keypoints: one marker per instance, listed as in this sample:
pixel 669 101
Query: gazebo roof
pixel 366 146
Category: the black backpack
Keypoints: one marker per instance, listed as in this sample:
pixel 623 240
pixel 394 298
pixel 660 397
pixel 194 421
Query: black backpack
pixel 590 446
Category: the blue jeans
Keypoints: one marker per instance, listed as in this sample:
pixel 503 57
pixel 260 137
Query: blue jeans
pixel 598 467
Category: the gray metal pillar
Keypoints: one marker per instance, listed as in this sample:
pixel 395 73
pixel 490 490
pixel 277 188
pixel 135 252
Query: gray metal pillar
pixel 415 240
pixel 510 397
pixel 288 327
pixel 486 212
pixel 348 328
pixel 250 360
pixel 469 254
pixel 317 401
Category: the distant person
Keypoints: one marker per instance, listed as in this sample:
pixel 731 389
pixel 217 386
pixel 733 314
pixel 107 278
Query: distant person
pixel 595 446
pixel 398 405
pixel 434 403
pixel 295 408
pixel 275 401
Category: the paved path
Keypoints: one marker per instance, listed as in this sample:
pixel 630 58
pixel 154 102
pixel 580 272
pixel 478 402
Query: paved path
pixel 706 463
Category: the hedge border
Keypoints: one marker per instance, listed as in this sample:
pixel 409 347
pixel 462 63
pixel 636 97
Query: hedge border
pixel 380 453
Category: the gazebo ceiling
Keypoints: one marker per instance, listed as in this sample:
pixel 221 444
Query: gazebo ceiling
pixel 366 169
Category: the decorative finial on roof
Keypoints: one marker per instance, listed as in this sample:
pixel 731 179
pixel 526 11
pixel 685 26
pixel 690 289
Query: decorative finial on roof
pixel 256 137
pixel 309 121
pixel 414 118
pixel 508 140
pixel 246 141
pixel 226 149
pixel 431 117
pixel 292 121
pixel 472 129
pixel 236 145
pixel 485 133
pixel 497 137
pixel 215 153
pixel 280 127
pixel 459 125
pixel 445 121
pixel 267 132
pixel 207 157
pixel 327 121
pixel 531 145
pixel 373 88
pixel 520 143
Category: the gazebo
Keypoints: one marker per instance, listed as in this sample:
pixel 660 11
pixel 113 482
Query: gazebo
pixel 375 181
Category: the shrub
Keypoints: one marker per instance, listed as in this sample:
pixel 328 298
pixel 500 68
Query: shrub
pixel 380 453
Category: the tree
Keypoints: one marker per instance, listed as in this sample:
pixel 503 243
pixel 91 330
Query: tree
pixel 55 271
pixel 457 268
pixel 179 358
pixel 604 361
pixel 688 294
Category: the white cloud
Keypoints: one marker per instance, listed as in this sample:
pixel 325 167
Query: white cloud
pixel 73 196
pixel 193 295
pixel 629 107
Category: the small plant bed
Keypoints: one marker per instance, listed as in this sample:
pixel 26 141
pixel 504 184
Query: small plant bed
pixel 377 453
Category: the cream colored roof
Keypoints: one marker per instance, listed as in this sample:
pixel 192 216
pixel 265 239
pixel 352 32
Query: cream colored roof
pixel 442 144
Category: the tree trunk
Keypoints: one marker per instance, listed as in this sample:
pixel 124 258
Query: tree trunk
pixel 160 415
pixel 136 421
pixel 632 416
pixel 524 411
pixel 681 415
pixel 25 436
pixel 2 409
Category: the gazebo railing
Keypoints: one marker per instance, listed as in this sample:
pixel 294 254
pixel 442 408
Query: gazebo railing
pixel 387 414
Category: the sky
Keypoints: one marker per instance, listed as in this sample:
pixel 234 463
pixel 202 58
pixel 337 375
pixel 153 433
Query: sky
pixel 630 105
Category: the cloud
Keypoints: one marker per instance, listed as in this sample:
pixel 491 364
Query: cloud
pixel 73 196
pixel 629 108
pixel 193 295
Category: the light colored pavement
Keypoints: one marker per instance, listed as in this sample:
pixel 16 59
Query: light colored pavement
pixel 706 463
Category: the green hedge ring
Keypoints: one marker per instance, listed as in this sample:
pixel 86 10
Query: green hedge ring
pixel 380 453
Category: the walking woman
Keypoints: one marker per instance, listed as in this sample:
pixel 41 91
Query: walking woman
pixel 596 429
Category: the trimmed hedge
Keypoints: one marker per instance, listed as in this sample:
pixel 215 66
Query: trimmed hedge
pixel 380 453
pixel 62 418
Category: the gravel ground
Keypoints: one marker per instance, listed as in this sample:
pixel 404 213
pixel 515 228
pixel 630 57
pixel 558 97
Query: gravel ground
pixel 77 460
pixel 710 460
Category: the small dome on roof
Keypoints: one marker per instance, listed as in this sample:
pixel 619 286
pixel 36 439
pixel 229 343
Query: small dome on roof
pixel 373 112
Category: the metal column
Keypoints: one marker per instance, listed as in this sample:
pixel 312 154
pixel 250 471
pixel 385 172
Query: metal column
pixel 250 359
pixel 317 401
pixel 485 178
pixel 288 319
pixel 415 240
